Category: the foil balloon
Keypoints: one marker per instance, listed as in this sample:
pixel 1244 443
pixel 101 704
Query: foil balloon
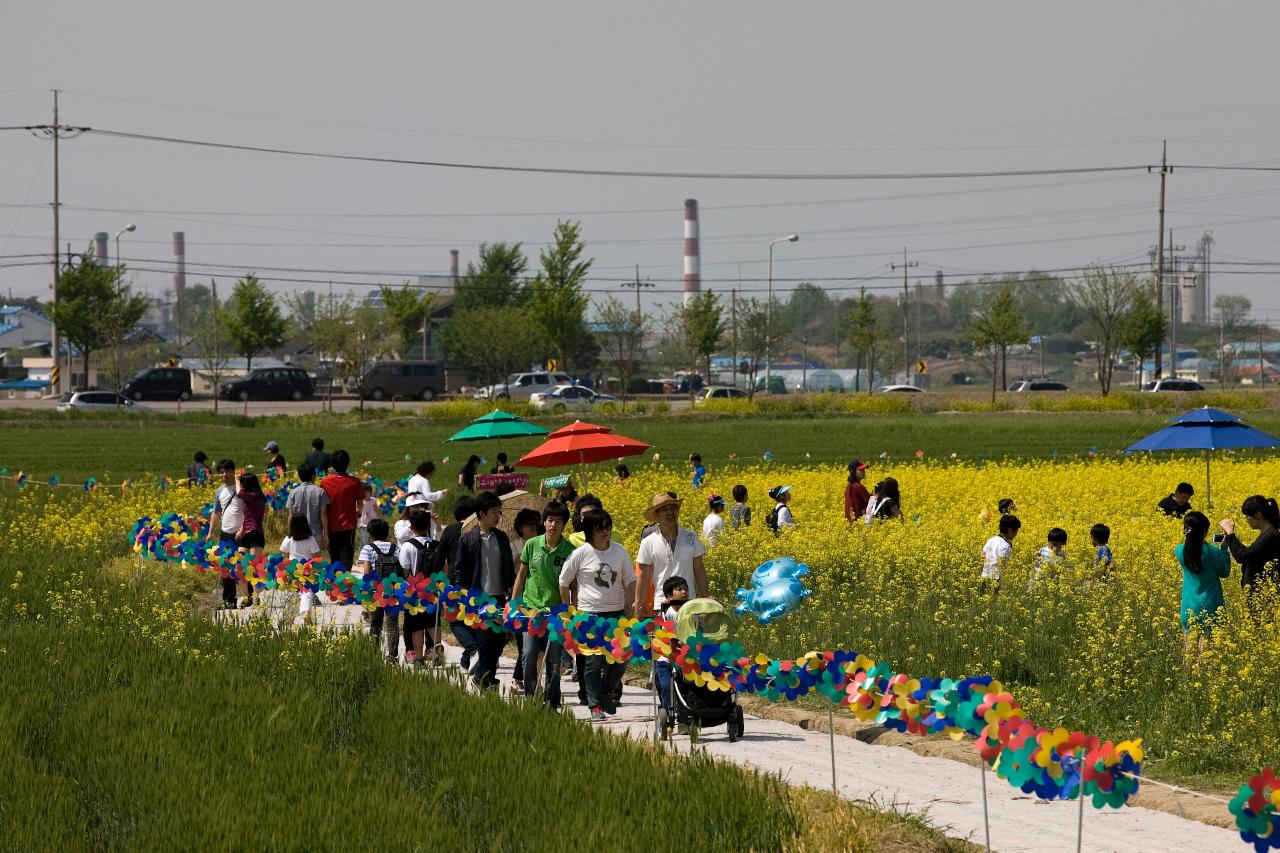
pixel 776 590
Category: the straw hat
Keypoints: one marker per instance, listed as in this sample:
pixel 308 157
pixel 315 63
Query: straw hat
pixel 660 500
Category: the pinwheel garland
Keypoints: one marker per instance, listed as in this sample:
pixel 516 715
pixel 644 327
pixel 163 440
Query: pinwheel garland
pixel 1052 764
pixel 1256 809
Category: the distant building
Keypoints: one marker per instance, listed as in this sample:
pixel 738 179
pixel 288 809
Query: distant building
pixel 23 327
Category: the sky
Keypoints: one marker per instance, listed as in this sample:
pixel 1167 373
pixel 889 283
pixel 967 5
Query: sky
pixel 746 87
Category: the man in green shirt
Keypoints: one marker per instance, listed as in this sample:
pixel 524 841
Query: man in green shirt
pixel 538 583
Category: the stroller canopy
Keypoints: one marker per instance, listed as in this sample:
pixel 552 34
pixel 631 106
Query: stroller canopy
pixel 704 615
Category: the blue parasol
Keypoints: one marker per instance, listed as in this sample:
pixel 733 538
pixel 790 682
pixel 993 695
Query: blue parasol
pixel 1206 429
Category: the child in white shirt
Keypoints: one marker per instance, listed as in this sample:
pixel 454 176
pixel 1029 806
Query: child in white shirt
pixel 301 545
pixel 713 524
pixel 998 550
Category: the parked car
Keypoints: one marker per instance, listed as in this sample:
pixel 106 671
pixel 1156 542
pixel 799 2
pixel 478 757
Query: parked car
pixel 1038 385
pixel 422 380
pixel 269 383
pixel 568 398
pixel 719 392
pixel 899 389
pixel 520 386
pixel 1172 385
pixel 81 401
pixel 159 383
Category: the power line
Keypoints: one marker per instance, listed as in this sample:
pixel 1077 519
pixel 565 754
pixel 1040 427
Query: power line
pixel 623 173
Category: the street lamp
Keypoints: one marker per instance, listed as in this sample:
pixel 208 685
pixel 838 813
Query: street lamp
pixel 128 229
pixel 768 323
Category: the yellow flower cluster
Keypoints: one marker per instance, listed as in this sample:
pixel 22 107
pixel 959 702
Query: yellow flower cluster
pixel 1103 651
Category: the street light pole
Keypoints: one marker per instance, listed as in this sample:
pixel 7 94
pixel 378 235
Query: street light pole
pixel 768 323
pixel 128 229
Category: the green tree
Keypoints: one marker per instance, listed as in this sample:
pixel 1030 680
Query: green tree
pixel 807 304
pixel 92 306
pixel 497 281
pixel 493 342
pixel 409 309
pixel 623 340
pixel 192 309
pixel 208 339
pixel 862 332
pixel 254 323
pixel 1143 330
pixel 758 338
pixel 1105 297
pixel 120 315
pixel 557 303
pixel 996 325
pixel 700 327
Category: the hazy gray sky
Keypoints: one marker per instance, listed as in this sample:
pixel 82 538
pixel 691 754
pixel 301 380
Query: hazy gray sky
pixel 744 86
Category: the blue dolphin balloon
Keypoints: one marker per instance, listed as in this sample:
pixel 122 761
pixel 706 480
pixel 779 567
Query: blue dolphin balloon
pixel 775 591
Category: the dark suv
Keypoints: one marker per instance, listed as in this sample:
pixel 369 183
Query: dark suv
pixel 421 379
pixel 269 383
pixel 159 383
pixel 1038 385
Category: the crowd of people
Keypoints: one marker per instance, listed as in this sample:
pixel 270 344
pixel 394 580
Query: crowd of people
pixel 567 553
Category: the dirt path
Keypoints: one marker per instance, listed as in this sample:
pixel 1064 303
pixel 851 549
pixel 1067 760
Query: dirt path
pixel 947 790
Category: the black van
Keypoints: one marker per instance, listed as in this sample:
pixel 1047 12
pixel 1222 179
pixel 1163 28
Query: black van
pixel 422 380
pixel 159 383
pixel 269 383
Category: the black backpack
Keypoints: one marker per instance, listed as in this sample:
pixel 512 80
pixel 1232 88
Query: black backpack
pixel 771 520
pixel 387 564
pixel 425 556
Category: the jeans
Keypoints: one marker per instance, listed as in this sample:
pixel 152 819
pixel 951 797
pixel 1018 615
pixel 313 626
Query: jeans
pixel 387 626
pixel 662 677
pixel 484 648
pixel 228 584
pixel 342 547
pixel 534 646
pixel 603 679
pixel 522 640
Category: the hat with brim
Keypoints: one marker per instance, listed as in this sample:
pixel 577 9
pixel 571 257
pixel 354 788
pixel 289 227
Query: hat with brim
pixel 778 491
pixel 659 501
pixel 416 500
pixel 271 445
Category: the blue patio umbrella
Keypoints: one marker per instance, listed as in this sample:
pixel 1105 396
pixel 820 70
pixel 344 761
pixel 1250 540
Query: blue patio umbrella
pixel 1206 429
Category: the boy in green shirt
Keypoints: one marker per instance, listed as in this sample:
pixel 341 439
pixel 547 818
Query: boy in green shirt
pixel 538 583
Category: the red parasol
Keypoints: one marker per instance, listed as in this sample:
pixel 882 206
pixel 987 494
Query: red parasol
pixel 581 443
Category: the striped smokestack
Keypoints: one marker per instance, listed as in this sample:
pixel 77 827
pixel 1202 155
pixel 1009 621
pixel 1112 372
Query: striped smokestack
pixel 100 248
pixel 692 261
pixel 179 264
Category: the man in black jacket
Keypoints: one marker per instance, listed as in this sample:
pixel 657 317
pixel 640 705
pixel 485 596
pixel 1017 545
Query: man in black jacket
pixel 447 560
pixel 484 563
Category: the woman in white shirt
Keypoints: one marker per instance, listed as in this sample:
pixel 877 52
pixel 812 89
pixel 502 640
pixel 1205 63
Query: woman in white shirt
pixel 604 575
pixel 713 524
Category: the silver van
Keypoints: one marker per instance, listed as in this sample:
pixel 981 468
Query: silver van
pixel 421 380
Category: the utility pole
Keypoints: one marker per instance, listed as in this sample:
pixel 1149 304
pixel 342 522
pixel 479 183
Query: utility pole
pixel 637 284
pixel 733 313
pixel 906 315
pixel 1164 170
pixel 217 348
pixel 1262 370
pixel 57 132
pixel 1175 304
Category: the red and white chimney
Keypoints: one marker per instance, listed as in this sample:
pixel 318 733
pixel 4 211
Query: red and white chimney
pixel 692 259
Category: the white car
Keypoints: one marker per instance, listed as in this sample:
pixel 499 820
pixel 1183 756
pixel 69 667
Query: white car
pixel 568 398
pixel 520 386
pixel 899 389
pixel 1159 385
pixel 81 401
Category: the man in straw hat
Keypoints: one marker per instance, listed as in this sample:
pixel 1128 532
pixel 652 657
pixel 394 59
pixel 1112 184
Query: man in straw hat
pixel 669 551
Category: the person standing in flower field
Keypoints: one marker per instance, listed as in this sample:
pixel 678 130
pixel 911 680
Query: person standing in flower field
pixel 1259 561
pixel 998 550
pixel 669 551
pixel 856 496
pixel 1178 503
pixel 1203 568
pixel 780 516
pixel 1051 556
pixel 890 503
pixel 699 471
pixel 198 471
pixel 740 513
pixel 420 486
pixel 1100 539
pixel 276 458
pixel 713 524
pixel 318 459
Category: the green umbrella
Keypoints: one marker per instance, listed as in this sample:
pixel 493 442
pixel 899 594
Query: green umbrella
pixel 496 424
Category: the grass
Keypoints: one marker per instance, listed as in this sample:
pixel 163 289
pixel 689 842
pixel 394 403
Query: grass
pixel 112 448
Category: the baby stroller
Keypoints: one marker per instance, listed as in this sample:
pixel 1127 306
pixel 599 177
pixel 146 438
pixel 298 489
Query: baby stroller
pixel 692 704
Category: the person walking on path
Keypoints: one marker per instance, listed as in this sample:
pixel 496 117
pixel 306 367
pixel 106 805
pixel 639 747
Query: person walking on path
pixel 228 515
pixel 416 555
pixel 1203 567
pixel 856 496
pixel 485 563
pixel 602 572
pixel 252 534
pixel 1178 502
pixel 1259 561
pixel 669 551
pixel 312 502
pixel 318 458
pixel 447 561
pixel 538 583
pixel 346 500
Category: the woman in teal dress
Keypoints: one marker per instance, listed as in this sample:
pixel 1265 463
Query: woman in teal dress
pixel 1203 567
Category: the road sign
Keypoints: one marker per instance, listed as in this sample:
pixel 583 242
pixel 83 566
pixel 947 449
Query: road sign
pixel 921 366
pixel 552 364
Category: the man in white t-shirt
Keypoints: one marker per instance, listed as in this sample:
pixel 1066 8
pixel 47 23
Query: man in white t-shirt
pixel 226 519
pixel 419 486
pixel 670 551
pixel 998 550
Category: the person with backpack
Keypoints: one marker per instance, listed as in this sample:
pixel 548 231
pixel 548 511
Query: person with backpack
pixel 780 516
pixel 381 558
pixel 417 555
pixel 538 583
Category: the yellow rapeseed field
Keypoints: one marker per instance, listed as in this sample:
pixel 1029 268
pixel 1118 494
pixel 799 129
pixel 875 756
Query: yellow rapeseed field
pixel 1104 654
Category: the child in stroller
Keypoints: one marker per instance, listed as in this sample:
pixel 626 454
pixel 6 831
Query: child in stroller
pixel 690 704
